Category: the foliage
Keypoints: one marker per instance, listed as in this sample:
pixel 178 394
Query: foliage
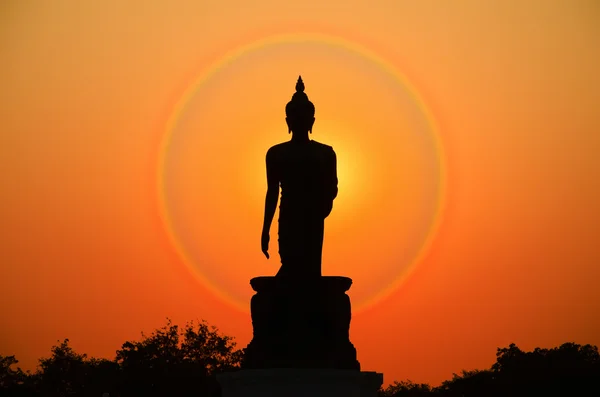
pixel 183 362
pixel 406 388
pixel 167 362
pixel 10 378
pixel 567 370
pixel 164 363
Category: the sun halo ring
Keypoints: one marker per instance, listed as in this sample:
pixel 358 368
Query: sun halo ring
pixel 231 57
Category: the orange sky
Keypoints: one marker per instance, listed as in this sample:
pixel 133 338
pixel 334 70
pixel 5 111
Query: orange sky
pixel 100 240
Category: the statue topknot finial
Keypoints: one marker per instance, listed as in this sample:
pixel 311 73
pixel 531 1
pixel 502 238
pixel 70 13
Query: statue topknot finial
pixel 300 105
pixel 300 85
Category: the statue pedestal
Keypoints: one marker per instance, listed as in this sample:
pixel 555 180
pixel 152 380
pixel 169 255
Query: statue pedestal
pixel 300 382
pixel 301 345
pixel 300 324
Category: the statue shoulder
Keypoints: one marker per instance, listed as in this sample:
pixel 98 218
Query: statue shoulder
pixel 325 150
pixel 276 149
pixel 323 147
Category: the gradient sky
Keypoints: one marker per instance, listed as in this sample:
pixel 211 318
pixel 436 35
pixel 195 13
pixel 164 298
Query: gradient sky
pixel 117 211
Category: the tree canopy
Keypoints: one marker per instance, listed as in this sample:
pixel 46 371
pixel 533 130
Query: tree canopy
pixel 182 362
pixel 170 361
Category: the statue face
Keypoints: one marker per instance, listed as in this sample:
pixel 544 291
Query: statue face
pixel 300 124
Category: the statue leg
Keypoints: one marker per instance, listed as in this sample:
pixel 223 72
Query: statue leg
pixel 314 248
pixel 290 246
pixel 300 246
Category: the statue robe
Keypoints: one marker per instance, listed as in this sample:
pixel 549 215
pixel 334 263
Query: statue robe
pixel 307 174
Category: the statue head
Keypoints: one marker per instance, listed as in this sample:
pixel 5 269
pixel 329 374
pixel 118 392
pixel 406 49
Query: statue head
pixel 300 112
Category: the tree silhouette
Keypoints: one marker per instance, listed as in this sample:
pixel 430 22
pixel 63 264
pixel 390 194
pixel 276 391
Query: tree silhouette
pixel 12 381
pixel 567 370
pixel 406 389
pixel 63 373
pixel 169 361
pixel 102 376
pixel 183 362
pixel 469 383
pixel 163 364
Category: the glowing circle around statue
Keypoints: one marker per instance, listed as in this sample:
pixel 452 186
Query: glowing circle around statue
pixel 212 178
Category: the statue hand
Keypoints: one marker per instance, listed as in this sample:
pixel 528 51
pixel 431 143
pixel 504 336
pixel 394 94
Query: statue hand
pixel 264 242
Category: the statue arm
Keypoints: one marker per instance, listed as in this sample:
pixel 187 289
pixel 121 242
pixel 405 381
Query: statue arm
pixel 332 183
pixel 272 192
pixel 334 178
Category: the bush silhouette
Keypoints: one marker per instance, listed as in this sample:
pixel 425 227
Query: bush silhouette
pixel 183 362
pixel 169 362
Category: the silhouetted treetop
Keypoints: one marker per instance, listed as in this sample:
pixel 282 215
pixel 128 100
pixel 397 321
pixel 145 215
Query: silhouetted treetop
pixel 182 362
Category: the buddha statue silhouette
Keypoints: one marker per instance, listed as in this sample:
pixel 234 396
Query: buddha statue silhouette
pixel 306 170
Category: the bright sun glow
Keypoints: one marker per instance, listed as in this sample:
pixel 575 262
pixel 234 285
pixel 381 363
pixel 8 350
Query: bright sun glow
pixel 351 166
pixel 389 168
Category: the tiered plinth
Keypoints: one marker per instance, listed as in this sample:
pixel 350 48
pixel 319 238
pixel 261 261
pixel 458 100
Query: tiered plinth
pixel 301 345
pixel 301 324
